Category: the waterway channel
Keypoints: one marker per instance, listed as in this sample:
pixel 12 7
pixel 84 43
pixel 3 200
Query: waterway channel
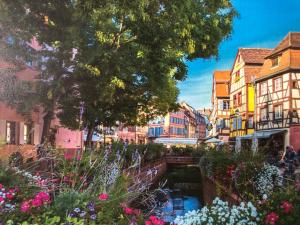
pixel 183 192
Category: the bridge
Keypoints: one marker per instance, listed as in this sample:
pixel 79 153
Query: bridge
pixel 182 160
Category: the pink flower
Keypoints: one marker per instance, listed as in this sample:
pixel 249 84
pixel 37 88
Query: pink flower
pixel 1 186
pixel 286 206
pixel 1 199
pixel 272 218
pixel 103 197
pixel 9 196
pixel 25 206
pixel 148 222
pixel 36 202
pixel 128 211
pixel 43 196
pixel 156 221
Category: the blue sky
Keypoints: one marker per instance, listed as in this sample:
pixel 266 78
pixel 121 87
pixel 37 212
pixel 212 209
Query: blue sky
pixel 262 23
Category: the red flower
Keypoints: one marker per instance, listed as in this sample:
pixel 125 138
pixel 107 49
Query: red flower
pixel 272 218
pixel 103 197
pixel 1 186
pixel 9 196
pixel 128 211
pixel 1 199
pixel 148 222
pixel 286 206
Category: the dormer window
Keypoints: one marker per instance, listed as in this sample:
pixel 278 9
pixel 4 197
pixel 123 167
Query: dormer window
pixel 275 61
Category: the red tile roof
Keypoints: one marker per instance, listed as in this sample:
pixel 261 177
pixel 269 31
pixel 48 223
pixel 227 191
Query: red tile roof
pixel 292 39
pixel 254 55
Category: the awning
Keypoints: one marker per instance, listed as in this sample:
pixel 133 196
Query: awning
pixel 214 141
pixel 263 134
pixel 176 141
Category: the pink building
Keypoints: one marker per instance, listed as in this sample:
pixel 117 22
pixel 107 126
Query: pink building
pixel 19 133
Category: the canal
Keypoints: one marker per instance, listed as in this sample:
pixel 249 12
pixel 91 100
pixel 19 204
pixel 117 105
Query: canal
pixel 183 192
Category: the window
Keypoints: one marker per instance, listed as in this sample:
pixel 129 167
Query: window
pixel 28 134
pixel 226 104
pixel 237 76
pixel 235 100
pixel 263 88
pixel 11 135
pixel 250 122
pixel 226 123
pixel 234 123
pixel 239 99
pixel 278 84
pixel 263 114
pixel 278 112
pixel 295 84
pixel 275 61
pixel 239 123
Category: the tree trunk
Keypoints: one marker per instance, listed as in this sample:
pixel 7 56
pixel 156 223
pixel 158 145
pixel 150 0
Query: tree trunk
pixel 46 127
pixel 89 137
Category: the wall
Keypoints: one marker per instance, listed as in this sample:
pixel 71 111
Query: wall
pixel 210 192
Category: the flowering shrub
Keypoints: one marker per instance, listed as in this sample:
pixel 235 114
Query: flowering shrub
pixel 281 207
pixel 7 197
pixel 267 180
pixel 219 213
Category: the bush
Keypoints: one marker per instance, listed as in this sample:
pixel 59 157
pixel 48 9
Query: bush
pixel 16 159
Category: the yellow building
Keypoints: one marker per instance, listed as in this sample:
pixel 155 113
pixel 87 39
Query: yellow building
pixel 246 66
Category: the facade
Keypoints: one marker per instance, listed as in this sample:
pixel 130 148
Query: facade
pixel 18 133
pixel 278 93
pixel 132 134
pixel 23 133
pixel 220 115
pixel 246 66
pixel 185 123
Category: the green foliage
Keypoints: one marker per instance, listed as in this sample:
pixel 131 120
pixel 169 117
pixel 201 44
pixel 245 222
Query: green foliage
pixel 275 204
pixel 129 54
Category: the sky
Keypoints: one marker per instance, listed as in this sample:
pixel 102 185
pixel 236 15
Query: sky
pixel 261 23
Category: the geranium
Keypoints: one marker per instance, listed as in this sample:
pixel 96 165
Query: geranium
pixel 286 206
pixel 272 218
pixel 9 196
pixel 128 211
pixel 103 197
pixel 36 202
pixel 153 220
pixel 25 206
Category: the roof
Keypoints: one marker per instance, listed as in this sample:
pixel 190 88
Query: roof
pixel 222 90
pixel 292 39
pixel 222 75
pixel 254 55
pixel 288 52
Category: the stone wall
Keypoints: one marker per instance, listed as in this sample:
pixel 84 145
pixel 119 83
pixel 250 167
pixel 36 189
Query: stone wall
pixel 211 190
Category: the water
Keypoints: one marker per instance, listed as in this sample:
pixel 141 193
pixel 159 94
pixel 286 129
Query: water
pixel 182 192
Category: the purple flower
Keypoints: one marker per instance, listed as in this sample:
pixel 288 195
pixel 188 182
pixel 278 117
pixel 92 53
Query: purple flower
pixel 72 214
pixel 91 207
pixel 77 210
pixel 82 214
pixel 93 217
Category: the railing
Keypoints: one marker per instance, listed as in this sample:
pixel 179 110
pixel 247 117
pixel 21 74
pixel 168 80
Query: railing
pixel 184 160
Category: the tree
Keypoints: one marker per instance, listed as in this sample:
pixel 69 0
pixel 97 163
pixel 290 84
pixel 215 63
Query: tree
pixel 129 54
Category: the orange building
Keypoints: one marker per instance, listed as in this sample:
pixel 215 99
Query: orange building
pixel 219 117
pixel 278 93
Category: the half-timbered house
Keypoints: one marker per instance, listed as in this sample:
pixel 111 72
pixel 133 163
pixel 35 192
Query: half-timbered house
pixel 246 66
pixel 219 116
pixel 278 92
